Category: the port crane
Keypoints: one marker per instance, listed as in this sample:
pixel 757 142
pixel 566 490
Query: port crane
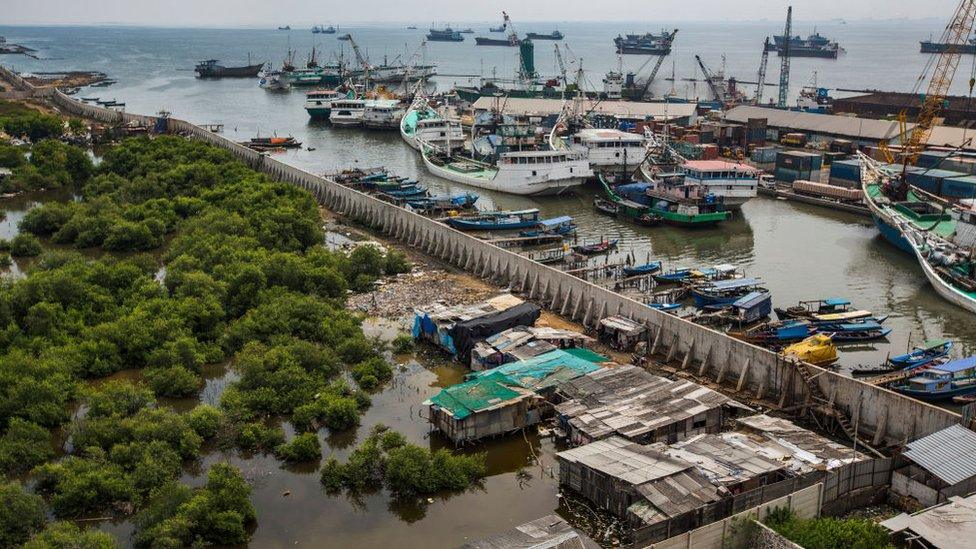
pixel 512 37
pixel 784 62
pixel 717 90
pixel 562 66
pixel 654 71
pixel 764 61
pixel 360 58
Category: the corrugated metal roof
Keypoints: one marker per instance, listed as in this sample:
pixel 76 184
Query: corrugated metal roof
pixel 949 454
pixel 548 532
pixel 622 109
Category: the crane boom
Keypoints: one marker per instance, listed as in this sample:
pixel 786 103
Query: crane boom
pixel 512 37
pixel 562 66
pixel 716 89
pixel 762 72
pixel 955 35
pixel 784 62
pixel 657 67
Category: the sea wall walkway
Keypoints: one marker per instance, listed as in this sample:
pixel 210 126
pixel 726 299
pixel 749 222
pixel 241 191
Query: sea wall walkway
pixel 880 416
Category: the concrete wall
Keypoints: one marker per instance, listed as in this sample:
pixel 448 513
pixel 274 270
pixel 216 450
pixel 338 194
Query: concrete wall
pixel 880 416
pixel 727 532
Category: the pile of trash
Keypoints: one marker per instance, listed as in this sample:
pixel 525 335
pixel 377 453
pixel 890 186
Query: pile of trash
pixel 398 296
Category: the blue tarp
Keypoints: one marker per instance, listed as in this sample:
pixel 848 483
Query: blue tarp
pixel 836 301
pixel 556 221
pixel 735 283
pixel 958 365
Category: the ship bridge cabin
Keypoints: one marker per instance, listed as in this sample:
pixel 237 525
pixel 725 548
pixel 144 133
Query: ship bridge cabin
pixel 735 183
pixel 608 148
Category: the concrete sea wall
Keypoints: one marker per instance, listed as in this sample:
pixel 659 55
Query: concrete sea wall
pixel 879 415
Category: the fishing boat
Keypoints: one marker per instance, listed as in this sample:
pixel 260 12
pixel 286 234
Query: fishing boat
pixel 813 307
pixel 669 197
pixel 271 143
pixel 922 354
pixel 347 112
pixel 681 275
pixel 383 114
pixel 273 80
pixel 645 44
pixel 602 247
pixel 643 270
pixel 318 103
pixel 496 221
pixel 444 35
pixel 562 226
pixel 724 292
pixel 319 29
pixel 211 68
pixel 528 173
pixel 940 235
pixel 818 349
pixel 855 331
pixel 775 334
pixel 748 309
pixel 554 35
pixel 443 203
pixel 422 124
pixel 606 207
pixel 942 382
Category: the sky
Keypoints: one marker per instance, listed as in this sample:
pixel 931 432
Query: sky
pixel 234 13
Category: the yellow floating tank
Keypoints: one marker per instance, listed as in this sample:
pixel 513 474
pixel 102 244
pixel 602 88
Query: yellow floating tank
pixel 817 349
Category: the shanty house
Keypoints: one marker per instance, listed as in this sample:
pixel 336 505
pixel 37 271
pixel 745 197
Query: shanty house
pixel 457 329
pixel 482 408
pixel 725 463
pixel 950 525
pixel 541 374
pixel 520 343
pixel 799 449
pixel 620 332
pixel 635 482
pixel 548 532
pixel 639 406
pixel 936 467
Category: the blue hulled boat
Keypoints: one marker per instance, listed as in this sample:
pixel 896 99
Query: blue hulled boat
pixel 718 272
pixel 562 225
pixel 811 308
pixel 666 307
pixel 954 378
pixel 725 292
pixel 496 221
pixel 641 270
pixel 748 309
pixel 854 331
pixel 922 354
pixel 774 334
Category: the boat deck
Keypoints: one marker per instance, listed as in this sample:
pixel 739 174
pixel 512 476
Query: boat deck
pixel 944 228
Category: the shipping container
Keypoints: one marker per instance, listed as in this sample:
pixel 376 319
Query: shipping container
pixel 959 187
pixel 931 159
pixel 799 160
pixel 787 175
pixel 764 155
pixel 846 169
pixel 930 180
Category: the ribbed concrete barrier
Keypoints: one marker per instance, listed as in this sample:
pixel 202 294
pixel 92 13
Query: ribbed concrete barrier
pixel 879 415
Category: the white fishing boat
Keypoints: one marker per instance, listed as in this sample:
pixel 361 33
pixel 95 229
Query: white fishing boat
pixel 422 124
pixel 527 173
pixel 383 114
pixel 347 112
pixel 273 80
pixel 318 103
pixel 608 149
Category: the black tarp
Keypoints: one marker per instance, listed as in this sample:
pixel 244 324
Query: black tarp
pixel 466 334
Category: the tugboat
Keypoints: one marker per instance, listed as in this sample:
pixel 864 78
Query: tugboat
pixel 211 68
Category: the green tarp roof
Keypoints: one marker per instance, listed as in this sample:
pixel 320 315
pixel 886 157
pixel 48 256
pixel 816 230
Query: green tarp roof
pixel 586 354
pixel 464 399
pixel 541 372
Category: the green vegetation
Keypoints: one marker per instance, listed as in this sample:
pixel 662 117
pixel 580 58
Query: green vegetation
pixel 19 120
pixel 304 447
pixel 244 280
pixel 21 514
pixel 218 513
pixel 52 165
pixel 66 535
pixel 828 532
pixel 408 470
pixel 402 343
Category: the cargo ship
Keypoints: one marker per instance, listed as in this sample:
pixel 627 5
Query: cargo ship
pixel 446 34
pixel 554 35
pixel 814 45
pixel 928 46
pixel 484 41
pixel 645 44
pixel 211 68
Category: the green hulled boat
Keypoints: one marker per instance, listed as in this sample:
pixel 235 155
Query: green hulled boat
pixel 668 199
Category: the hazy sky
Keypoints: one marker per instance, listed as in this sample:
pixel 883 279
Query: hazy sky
pixel 305 12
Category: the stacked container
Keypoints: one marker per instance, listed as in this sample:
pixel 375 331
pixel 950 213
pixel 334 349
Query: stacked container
pixel 846 173
pixel 931 180
pixel 794 165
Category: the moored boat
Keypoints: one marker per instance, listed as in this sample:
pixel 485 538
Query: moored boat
pixel 211 68
pixel 422 124
pixel 856 331
pixel 445 35
pixel 724 292
pixel 751 308
pixel 606 207
pixel 318 103
pixel 383 114
pixel 496 221
pixel 775 334
pixel 922 354
pixel 562 226
pixel 942 382
pixel 670 197
pixel 645 44
pixel 643 270
pixel 602 247
pixel 818 349
pixel 681 275
pixel 810 308
pixel 554 35
pixel 347 112
pixel 271 143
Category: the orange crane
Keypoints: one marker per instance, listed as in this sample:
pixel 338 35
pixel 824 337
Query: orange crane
pixel 955 34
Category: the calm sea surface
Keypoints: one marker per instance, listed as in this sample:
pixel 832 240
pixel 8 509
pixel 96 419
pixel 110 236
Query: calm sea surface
pixel 802 252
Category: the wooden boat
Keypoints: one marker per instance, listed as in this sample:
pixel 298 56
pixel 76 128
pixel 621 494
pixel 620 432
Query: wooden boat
pixel 922 354
pixel 606 207
pixel 724 292
pixel 681 275
pixel 496 221
pixel 562 225
pixel 942 382
pixel 643 270
pixel 598 248
pixel 666 307
pixel 443 203
pixel 848 316
pixel 964 399
pixel 857 331
pixel 774 334
pixel 748 309
pixel 670 198
pixel 807 309
pixel 270 143
pixel 818 349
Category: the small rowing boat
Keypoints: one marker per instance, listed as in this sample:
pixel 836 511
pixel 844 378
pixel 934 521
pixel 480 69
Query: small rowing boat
pixel 602 247
pixel 922 354
pixel 606 207
pixel 809 308
pixel 496 221
pixel 642 270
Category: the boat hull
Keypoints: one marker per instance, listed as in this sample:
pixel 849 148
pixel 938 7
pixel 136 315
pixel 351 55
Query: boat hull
pixel 250 71
pixel 481 41
pixel 935 396
pixel 319 113
pixel 935 47
pixel 539 186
